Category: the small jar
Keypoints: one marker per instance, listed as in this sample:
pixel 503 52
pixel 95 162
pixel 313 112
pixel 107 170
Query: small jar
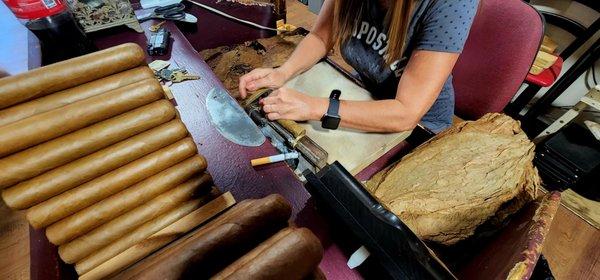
pixel 51 21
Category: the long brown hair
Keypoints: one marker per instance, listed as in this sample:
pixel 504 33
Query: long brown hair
pixel 348 13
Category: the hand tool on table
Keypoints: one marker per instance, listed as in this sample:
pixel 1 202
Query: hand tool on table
pixel 170 12
pixel 231 120
pixel 146 4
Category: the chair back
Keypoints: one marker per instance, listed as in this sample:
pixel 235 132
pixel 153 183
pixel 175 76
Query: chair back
pixel 501 47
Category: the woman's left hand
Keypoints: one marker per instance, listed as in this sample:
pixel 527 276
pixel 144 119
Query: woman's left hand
pixel 289 104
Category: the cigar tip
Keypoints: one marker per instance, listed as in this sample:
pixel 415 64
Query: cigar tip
pixel 6 197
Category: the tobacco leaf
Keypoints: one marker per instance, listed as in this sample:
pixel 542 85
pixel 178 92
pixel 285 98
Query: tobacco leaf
pixel 230 63
pixel 447 187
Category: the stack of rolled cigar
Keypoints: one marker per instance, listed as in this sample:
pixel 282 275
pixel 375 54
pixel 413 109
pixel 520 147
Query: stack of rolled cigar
pixel 94 152
pixel 251 240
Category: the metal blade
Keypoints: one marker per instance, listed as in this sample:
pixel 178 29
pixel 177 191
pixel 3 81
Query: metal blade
pixel 231 120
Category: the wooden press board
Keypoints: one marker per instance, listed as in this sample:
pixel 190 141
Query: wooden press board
pixel 354 149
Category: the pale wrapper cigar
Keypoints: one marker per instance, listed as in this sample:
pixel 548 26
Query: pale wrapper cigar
pixel 36 129
pixel 85 220
pixel 69 73
pixel 72 95
pixel 89 243
pixel 160 239
pixel 137 234
pixel 65 204
pixel 208 249
pixel 41 158
pixel 293 253
pixel 75 173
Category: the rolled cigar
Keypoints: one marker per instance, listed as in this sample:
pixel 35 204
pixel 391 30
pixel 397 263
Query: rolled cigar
pixel 161 238
pixel 105 234
pixel 72 95
pixel 206 250
pixel 60 121
pixel 70 175
pixel 66 204
pixel 69 73
pixel 292 253
pixel 140 233
pixel 85 220
pixel 293 128
pixel 41 158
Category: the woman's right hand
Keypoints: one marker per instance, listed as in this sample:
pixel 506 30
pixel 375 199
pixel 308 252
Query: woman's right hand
pixel 261 78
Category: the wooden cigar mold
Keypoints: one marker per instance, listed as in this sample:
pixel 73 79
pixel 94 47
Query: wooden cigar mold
pixel 97 156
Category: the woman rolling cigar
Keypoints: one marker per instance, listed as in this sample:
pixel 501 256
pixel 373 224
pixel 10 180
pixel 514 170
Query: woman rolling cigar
pixel 403 51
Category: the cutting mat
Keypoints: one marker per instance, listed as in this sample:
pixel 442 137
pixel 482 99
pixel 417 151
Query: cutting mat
pixel 354 149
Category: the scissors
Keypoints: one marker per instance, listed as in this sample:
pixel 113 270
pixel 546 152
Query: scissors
pixel 170 12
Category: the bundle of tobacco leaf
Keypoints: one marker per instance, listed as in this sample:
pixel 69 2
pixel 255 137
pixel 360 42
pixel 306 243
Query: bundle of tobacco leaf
pixel 461 178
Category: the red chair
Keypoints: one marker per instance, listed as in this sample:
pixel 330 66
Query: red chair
pixel 490 69
pixel 501 47
pixel 549 76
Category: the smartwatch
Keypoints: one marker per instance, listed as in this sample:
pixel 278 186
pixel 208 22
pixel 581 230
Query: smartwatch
pixel 331 119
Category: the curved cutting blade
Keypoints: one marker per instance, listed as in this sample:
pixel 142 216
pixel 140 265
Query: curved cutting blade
pixel 231 120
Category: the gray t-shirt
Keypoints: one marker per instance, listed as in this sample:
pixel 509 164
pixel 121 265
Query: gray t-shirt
pixel 436 25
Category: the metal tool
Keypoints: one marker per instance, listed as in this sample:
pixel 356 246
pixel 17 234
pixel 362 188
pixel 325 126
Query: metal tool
pixel 146 4
pixel 170 12
pixel 180 76
pixel 231 121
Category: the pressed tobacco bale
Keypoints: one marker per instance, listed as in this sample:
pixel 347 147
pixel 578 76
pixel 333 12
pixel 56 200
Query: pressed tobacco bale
pixel 461 178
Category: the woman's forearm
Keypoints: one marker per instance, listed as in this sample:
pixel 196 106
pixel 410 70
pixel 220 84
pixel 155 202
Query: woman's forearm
pixel 372 116
pixel 310 50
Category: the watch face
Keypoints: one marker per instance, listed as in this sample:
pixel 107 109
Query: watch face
pixel 330 122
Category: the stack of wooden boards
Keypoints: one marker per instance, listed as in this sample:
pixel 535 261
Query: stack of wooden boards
pixel 545 57
pixel 96 154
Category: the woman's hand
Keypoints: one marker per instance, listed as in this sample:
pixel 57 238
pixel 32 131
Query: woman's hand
pixel 261 78
pixel 290 104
